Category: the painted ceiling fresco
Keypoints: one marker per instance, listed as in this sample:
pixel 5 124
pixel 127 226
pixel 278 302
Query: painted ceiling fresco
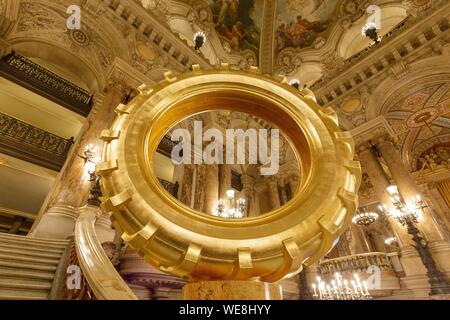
pixel 420 116
pixel 238 23
pixel 299 22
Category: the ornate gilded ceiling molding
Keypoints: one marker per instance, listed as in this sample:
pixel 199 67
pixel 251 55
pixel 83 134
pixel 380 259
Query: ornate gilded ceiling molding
pixel 412 39
pixel 266 52
pixel 156 32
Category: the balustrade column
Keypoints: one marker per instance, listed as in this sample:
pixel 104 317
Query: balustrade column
pixel 71 189
pixel 380 182
pixel 408 187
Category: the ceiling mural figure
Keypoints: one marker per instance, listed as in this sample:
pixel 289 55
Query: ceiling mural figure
pixel 238 23
pixel 299 22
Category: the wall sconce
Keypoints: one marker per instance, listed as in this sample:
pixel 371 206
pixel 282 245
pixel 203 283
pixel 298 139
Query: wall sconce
pixel 295 83
pixel 370 31
pixel 90 159
pixel 199 40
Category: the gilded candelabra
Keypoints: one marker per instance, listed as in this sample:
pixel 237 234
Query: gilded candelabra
pixel 408 215
pixel 341 289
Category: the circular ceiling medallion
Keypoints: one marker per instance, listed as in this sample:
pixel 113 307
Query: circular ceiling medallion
pixel 146 52
pixel 422 117
pixel 351 105
pixel 197 246
pixel 79 37
pixel 420 3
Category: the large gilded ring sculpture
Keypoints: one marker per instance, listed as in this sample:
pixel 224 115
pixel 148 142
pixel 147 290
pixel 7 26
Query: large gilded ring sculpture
pixel 197 246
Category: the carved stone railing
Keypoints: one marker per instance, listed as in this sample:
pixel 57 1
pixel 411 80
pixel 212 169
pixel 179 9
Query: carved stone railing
pixel 356 263
pixel 32 76
pixel 26 142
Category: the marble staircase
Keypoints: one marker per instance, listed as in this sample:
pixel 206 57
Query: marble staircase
pixel 28 266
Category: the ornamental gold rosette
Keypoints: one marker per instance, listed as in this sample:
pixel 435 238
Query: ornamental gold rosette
pixel 197 246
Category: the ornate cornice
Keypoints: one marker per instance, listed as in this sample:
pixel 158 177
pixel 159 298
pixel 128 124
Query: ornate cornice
pixel 372 130
pixel 138 18
pixel 120 72
pixel 415 37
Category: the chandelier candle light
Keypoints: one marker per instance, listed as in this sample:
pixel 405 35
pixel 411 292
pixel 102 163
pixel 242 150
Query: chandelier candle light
pixel 391 241
pixel 365 218
pixel 339 289
pixel 233 209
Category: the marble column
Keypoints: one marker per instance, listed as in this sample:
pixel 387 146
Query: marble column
pixel 283 195
pixel 211 187
pixel 224 180
pixel 408 187
pixel 57 217
pixel 293 181
pixel 274 194
pixel 248 191
pixel 380 182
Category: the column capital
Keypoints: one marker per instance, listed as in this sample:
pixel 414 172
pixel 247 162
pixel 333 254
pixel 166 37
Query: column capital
pixel 125 76
pixel 371 130
pixel 384 139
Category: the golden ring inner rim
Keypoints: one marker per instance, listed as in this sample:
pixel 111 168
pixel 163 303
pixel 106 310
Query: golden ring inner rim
pixel 229 99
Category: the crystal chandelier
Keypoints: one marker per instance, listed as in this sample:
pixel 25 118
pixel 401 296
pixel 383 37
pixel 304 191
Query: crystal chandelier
pixel 365 218
pixel 341 289
pixel 232 208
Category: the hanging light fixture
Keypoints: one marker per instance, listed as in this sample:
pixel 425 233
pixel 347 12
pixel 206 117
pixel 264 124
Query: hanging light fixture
pixel 341 289
pixel 365 218
pixel 232 208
